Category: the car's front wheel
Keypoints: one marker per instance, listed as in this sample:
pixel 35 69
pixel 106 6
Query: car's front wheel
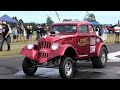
pixel 28 67
pixel 66 68
pixel 101 61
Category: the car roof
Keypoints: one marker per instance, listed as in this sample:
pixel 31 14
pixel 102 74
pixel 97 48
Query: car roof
pixel 72 22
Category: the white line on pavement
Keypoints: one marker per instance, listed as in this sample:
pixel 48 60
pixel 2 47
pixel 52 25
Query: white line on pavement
pixel 112 57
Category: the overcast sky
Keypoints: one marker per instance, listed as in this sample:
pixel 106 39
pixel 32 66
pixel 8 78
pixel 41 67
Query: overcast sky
pixel 103 17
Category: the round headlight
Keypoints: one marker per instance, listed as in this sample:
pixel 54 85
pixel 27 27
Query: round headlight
pixel 30 45
pixel 54 46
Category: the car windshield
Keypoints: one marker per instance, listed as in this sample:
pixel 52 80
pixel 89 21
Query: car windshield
pixel 64 28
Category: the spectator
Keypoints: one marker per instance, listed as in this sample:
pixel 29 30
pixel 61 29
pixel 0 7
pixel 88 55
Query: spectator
pixel 44 29
pixel 0 32
pixel 10 32
pixel 104 34
pixel 39 29
pixel 21 32
pixel 0 29
pixel 117 33
pixel 24 33
pixel 28 32
pixel 97 31
pixel 15 33
pixel 5 36
pixel 100 31
pixel 31 34
pixel 18 33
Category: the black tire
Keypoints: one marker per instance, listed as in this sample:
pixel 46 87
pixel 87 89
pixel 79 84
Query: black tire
pixel 62 65
pixel 28 68
pixel 101 61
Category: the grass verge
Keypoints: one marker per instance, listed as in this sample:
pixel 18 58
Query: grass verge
pixel 16 47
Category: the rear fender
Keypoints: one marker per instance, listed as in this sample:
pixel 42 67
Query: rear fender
pixel 99 48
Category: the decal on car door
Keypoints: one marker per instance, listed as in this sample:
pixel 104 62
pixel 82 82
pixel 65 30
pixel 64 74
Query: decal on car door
pixel 92 49
pixel 92 44
pixel 83 42
pixel 92 41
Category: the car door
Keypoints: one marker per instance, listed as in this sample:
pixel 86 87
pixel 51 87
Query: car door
pixel 82 39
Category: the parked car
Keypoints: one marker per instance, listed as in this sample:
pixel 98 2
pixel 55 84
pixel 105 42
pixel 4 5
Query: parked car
pixel 110 29
pixel 67 43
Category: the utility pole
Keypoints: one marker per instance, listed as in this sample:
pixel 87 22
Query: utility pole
pixel 57 15
pixel 118 22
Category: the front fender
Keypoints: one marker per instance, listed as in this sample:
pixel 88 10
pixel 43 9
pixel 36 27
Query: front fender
pixel 64 47
pixel 32 53
pixel 61 51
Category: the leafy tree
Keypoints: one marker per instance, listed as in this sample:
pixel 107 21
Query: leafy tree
pixel 20 22
pixel 91 18
pixel 15 18
pixel 49 21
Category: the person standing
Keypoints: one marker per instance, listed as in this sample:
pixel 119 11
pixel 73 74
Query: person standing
pixel 117 33
pixel 21 32
pixel 100 31
pixel 18 33
pixel 10 32
pixel 0 32
pixel 31 34
pixel 38 31
pixel 104 33
pixel 44 30
pixel 5 36
pixel 28 32
pixel 15 33
pixel 97 31
pixel 24 33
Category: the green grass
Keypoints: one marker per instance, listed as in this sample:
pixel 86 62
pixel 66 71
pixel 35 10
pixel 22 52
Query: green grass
pixel 110 38
pixel 16 47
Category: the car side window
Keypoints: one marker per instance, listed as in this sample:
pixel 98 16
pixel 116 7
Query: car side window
pixel 84 29
pixel 91 29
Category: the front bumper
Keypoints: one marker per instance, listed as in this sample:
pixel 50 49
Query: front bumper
pixel 40 55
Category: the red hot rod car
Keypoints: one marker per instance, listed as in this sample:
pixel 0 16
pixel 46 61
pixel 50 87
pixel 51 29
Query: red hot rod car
pixel 67 43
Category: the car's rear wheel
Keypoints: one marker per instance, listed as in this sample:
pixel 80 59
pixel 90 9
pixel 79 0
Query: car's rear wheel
pixel 66 68
pixel 28 67
pixel 101 61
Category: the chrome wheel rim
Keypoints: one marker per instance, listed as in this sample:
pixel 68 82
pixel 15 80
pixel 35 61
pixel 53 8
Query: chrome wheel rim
pixel 103 58
pixel 68 68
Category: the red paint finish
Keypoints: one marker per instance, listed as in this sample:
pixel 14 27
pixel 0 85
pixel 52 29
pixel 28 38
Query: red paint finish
pixel 85 45
pixel 32 54
pixel 110 28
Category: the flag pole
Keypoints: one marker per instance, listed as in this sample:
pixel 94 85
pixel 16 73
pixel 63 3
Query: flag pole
pixel 85 15
pixel 57 15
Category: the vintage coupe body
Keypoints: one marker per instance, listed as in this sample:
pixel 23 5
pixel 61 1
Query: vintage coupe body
pixel 66 43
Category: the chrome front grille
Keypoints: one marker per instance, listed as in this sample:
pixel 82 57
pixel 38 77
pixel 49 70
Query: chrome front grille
pixel 44 55
pixel 43 45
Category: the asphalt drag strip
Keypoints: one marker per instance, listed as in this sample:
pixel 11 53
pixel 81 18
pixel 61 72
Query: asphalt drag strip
pixel 84 70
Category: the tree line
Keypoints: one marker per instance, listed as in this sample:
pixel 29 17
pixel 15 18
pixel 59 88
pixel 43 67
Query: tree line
pixel 90 17
pixel 49 22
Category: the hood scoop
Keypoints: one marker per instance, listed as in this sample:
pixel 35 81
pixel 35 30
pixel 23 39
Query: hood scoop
pixel 53 33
